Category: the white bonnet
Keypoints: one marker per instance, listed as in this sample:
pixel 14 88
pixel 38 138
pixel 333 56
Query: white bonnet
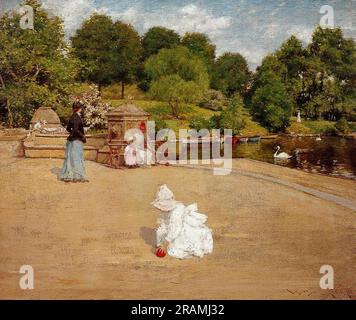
pixel 164 199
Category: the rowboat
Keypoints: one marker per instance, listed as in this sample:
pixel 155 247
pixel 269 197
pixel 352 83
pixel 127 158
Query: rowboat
pixel 243 139
pixel 274 136
pixel 254 139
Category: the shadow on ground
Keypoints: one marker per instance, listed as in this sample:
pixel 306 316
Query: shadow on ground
pixel 56 171
pixel 149 236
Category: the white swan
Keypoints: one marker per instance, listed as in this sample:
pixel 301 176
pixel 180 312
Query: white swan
pixel 281 155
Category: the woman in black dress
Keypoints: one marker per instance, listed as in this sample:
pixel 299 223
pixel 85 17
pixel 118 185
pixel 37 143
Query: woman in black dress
pixel 73 168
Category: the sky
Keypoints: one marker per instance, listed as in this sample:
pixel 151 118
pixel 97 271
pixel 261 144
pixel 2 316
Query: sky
pixel 253 28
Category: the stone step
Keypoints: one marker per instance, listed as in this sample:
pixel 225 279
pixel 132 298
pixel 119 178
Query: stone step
pixel 56 151
pixel 48 140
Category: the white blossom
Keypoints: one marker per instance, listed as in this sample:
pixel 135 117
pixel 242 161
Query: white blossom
pixel 94 109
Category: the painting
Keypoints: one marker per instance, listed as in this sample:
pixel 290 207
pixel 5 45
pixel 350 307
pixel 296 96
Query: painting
pixel 177 150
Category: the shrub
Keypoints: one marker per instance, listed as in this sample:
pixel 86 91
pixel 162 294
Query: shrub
pixel 232 117
pixel 160 123
pixel 215 122
pixel 331 131
pixel 342 126
pixel 198 122
pixel 296 127
pixel 214 100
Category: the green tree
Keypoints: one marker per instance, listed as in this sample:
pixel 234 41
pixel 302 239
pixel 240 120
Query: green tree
pixel 232 117
pixel 177 76
pixel 128 54
pixel 230 74
pixel 94 45
pixel 336 52
pixel 337 64
pixel 270 64
pixel 109 51
pixel 312 83
pixel 271 105
pixel 200 45
pixel 35 68
pixel 292 55
pixel 158 38
pixel 320 79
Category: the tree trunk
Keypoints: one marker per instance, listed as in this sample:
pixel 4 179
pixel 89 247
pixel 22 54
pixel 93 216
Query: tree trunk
pixel 2 82
pixel 122 90
pixel 174 108
pixel 10 117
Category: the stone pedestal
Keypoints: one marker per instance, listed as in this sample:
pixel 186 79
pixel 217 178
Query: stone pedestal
pixel 127 116
pixel 47 117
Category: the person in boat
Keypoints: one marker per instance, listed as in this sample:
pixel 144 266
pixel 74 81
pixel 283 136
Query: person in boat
pixel 73 169
pixel 182 232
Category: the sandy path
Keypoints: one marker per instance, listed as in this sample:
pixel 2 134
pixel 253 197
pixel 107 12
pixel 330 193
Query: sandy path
pixel 95 240
pixel 284 180
pixel 340 187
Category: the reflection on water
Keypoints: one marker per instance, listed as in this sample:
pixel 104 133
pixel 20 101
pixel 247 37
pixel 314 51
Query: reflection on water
pixel 333 156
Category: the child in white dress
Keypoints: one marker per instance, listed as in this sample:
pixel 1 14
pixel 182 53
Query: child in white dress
pixel 182 231
pixel 131 153
pixel 135 153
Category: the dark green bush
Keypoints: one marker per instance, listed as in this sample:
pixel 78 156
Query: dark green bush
pixel 214 100
pixel 198 122
pixel 342 126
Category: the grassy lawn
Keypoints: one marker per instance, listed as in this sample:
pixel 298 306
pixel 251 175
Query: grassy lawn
pixel 161 110
pixel 158 107
pixel 253 128
pixel 320 126
pixel 315 127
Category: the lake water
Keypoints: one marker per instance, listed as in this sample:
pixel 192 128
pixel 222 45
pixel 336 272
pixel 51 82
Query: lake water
pixel 333 156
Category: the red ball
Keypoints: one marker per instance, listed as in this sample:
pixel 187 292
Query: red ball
pixel 160 253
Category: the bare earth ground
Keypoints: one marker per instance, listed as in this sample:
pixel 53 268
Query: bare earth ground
pixel 94 240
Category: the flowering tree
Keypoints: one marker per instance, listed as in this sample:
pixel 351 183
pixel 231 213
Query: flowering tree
pixel 94 109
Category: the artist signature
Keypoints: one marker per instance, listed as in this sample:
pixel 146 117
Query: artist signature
pixel 337 293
